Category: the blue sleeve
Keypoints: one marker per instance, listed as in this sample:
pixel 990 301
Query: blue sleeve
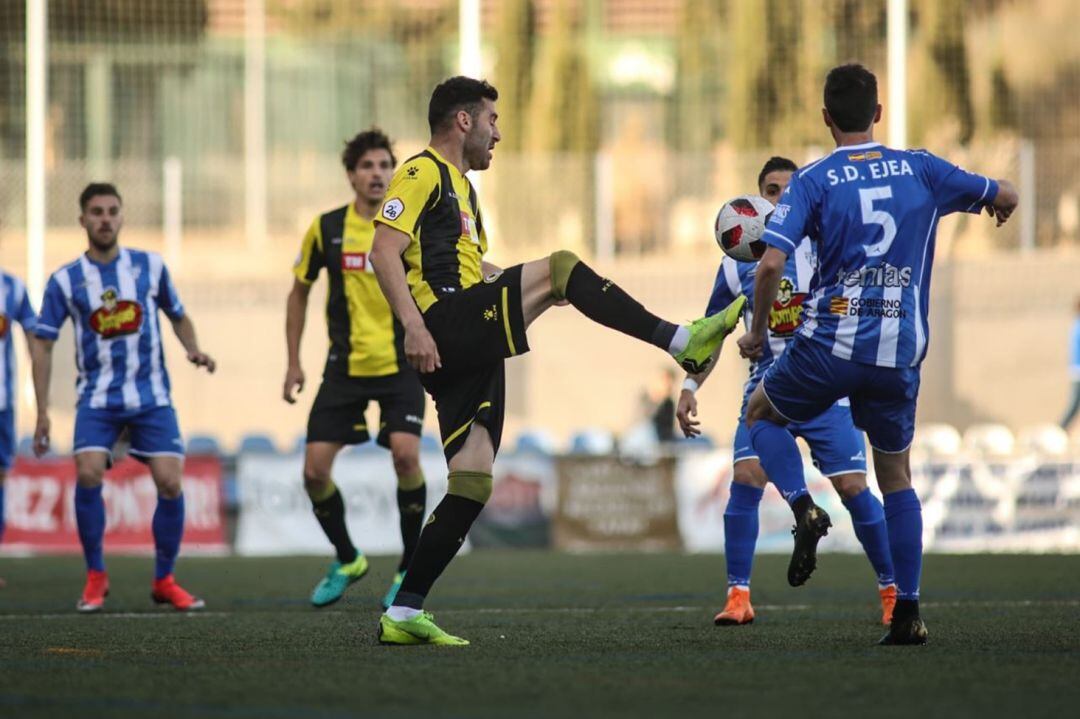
pixel 168 299
pixel 957 190
pixel 791 219
pixel 54 311
pixel 721 295
pixel 24 313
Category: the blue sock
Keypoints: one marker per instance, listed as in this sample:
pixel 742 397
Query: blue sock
pixel 779 455
pixel 903 513
pixel 741 532
pixel 90 516
pixel 869 519
pixel 168 527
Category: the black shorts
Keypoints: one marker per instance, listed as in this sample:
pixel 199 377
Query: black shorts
pixel 475 331
pixel 338 412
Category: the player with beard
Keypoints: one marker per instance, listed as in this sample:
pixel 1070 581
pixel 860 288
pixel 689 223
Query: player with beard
pixel 464 317
pixel 112 295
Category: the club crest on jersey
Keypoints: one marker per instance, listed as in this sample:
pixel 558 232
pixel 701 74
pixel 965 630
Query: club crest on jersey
pixel 786 312
pixel 5 323
pixel 116 317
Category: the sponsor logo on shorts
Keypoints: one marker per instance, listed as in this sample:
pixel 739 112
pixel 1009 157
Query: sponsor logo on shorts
pixel 413 419
pixel 860 457
pixel 116 317
pixel 392 209
pixel 491 314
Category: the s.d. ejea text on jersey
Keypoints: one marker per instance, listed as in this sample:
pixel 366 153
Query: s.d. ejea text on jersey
pixel 871 299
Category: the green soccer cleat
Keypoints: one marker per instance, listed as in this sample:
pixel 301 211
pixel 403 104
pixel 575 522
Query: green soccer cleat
pixel 391 593
pixel 707 334
pixel 337 580
pixel 421 629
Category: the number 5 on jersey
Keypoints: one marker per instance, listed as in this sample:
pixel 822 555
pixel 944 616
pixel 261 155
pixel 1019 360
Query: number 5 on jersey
pixel 870 216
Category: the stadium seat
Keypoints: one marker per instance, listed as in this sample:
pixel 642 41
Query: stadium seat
pixel 592 441
pixel 25 447
pixel 937 440
pixel 989 440
pixel 534 441
pixel 1043 439
pixel 203 444
pixel 257 444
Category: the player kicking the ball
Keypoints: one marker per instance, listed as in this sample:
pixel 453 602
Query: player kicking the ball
pixel 463 317
pixel 837 448
pixel 112 295
pixel 871 213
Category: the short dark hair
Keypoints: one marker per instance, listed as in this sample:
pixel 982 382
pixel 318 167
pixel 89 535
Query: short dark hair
pixel 774 164
pixel 455 94
pixel 851 97
pixel 371 139
pixel 96 189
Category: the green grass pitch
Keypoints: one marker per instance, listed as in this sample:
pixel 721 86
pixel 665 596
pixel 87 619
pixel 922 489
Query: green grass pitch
pixel 552 635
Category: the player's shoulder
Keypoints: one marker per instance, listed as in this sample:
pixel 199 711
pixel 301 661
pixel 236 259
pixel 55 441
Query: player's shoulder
pixel 338 213
pixel 63 272
pixel 144 258
pixel 12 281
pixel 420 167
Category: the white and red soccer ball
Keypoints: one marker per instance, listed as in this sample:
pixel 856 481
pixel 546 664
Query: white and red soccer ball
pixel 740 225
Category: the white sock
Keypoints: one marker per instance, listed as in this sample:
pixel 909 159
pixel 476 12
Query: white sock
pixel 679 341
pixel 401 614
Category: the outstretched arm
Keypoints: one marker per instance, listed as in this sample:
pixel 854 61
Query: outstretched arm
pixel 686 409
pixel 770 269
pixel 295 318
pixel 185 332
pixel 386 250
pixel 1004 203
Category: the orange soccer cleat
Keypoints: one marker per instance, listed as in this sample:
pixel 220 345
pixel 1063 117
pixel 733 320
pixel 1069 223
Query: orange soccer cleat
pixel 167 591
pixel 94 593
pixel 888 602
pixel 737 610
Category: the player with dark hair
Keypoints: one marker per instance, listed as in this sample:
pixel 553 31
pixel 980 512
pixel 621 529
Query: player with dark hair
pixel 837 448
pixel 366 363
pixel 871 213
pixel 463 317
pixel 112 295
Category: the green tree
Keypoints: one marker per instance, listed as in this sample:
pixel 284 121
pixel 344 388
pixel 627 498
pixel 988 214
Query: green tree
pixel 514 42
pixel 943 77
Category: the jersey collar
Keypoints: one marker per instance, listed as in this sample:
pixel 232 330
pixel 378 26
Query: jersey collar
pixel 849 148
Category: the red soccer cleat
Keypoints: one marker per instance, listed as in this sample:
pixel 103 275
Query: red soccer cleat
pixel 737 610
pixel 167 591
pixel 94 593
pixel 888 602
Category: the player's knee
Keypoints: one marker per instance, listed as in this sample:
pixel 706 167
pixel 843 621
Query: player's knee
pixel 746 473
pixel 849 485
pixel 315 482
pixel 170 488
pixel 562 263
pixel 89 477
pixel 470 485
pixel 406 467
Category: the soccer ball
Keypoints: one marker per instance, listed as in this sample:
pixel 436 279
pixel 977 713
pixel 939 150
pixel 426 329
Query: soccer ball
pixel 740 225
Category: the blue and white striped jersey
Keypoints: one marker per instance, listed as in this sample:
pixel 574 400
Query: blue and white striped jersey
pixel 14 307
pixel 872 214
pixel 737 278
pixel 114 308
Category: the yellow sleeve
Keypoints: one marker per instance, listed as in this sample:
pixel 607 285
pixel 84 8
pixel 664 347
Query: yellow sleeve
pixel 413 191
pixel 311 258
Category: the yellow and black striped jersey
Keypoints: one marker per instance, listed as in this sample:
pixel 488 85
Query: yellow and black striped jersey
pixel 366 340
pixel 436 205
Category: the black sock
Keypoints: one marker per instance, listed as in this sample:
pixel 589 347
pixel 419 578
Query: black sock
pixel 331 515
pixel 905 609
pixel 439 542
pixel 801 506
pixel 603 301
pixel 411 504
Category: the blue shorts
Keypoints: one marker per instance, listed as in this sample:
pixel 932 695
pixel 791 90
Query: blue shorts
pixel 154 431
pixel 835 445
pixel 808 379
pixel 7 439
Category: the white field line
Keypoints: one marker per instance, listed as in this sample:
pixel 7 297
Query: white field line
pixel 1015 603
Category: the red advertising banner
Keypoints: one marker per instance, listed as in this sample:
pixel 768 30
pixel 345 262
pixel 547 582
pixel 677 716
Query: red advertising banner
pixel 40 499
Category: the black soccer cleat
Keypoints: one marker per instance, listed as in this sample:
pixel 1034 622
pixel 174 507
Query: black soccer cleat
pixel 808 532
pixel 908 631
